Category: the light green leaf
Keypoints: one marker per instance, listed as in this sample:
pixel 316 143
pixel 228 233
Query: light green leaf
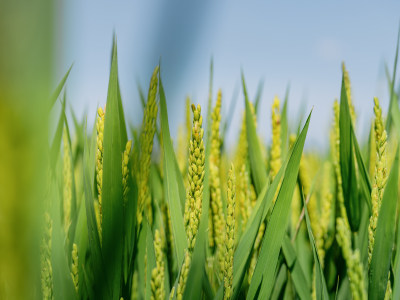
pixel 393 105
pixel 59 88
pixel 257 167
pixel 284 124
pixel 257 99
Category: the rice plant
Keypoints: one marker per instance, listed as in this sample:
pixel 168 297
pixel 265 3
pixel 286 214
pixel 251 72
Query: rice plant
pixel 195 219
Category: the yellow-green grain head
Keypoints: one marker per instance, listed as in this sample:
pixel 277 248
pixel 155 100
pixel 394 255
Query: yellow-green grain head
pixel 195 188
pixel 146 148
pixel 230 235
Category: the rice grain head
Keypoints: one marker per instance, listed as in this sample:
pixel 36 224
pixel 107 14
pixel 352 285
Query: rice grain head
pixel 218 221
pixel 355 270
pixel 74 267
pixel 99 167
pixel 275 156
pixel 157 274
pixel 45 260
pixel 230 235
pixel 125 170
pixel 67 187
pixel 194 194
pixel 380 176
pixel 146 148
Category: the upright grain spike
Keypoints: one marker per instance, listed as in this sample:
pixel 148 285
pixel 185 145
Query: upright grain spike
pixel 146 148
pixel 379 183
pixel 194 194
pixel 183 275
pixel 158 273
pixel 380 175
pixel 355 270
pixel 67 186
pixel 230 235
pixel 45 260
pixel 275 156
pixel 183 140
pixel 74 267
pixel 215 184
pixel 125 170
pixel 99 168
pixel 326 211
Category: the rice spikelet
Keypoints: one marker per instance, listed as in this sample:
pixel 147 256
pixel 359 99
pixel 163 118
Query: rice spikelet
pixel 125 170
pixel 99 167
pixel 194 194
pixel 45 260
pixel 146 148
pixel 74 267
pixel 275 156
pixel 67 187
pixel 230 235
pixel 215 185
pixel 355 270
pixel 157 275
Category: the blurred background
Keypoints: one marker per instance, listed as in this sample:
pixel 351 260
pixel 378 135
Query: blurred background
pixel 274 43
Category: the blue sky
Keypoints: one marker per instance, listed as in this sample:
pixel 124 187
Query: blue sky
pixel 301 43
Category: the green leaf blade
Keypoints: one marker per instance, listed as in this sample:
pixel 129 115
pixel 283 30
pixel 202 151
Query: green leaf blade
pixel 171 186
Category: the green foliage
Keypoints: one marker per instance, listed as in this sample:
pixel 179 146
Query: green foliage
pixel 120 260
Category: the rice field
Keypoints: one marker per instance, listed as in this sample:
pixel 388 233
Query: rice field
pixel 142 213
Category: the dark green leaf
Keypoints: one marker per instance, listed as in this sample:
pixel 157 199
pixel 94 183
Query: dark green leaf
pixel 112 202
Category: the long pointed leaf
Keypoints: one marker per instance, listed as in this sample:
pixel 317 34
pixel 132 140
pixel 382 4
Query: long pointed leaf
pixel 112 203
pixel 59 88
pixel 171 186
pixel 257 168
